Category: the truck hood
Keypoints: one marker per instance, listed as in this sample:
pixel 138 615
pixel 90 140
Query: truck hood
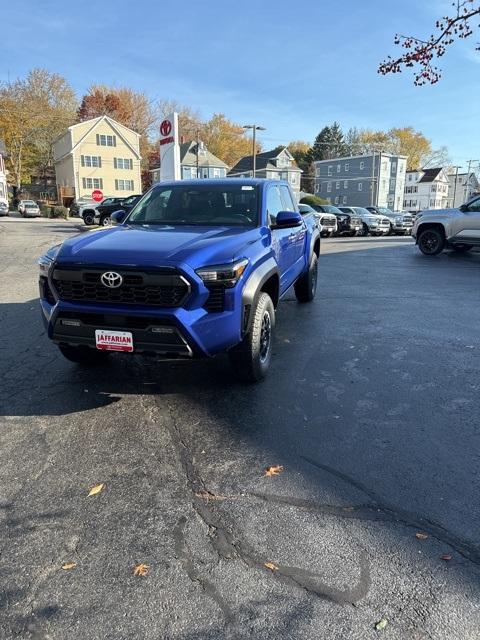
pixel 131 246
pixel 444 213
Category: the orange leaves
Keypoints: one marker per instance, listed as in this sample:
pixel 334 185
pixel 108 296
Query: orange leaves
pixel 274 470
pixel 141 569
pixel 66 566
pixel 271 566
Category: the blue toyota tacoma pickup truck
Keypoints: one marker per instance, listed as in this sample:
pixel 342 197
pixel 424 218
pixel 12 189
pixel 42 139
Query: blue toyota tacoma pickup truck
pixel 194 269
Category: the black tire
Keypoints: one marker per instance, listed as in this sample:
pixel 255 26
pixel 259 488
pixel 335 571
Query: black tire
pixel 106 221
pixel 306 286
pixel 431 242
pixel 251 358
pixel 365 230
pixel 89 218
pixel 83 355
pixel 462 248
pixel 352 234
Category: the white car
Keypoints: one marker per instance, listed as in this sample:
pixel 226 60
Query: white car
pixel 28 209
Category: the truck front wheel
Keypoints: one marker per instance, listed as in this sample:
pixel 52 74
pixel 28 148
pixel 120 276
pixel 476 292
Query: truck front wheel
pixel 83 355
pixel 431 241
pixel 251 358
pixel 306 286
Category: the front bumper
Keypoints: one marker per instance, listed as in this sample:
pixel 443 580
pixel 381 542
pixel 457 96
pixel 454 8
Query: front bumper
pixel 187 331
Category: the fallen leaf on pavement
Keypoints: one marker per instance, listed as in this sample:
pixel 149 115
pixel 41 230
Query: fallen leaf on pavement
pixel 381 624
pixel 274 470
pixel 421 536
pixel 446 557
pixel 69 565
pixel 271 566
pixel 96 489
pixel 141 569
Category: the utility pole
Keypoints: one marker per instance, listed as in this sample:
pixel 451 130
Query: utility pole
pixel 470 162
pixel 456 167
pixel 373 179
pixel 254 128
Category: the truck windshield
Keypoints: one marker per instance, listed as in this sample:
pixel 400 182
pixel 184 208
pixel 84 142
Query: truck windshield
pixel 202 204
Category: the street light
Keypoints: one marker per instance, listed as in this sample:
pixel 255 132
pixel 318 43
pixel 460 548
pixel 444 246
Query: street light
pixel 254 128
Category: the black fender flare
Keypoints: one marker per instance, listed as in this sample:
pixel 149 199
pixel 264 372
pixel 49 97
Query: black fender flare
pixel 314 237
pixel 254 285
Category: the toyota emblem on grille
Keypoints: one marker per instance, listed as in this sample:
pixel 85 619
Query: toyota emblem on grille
pixel 111 279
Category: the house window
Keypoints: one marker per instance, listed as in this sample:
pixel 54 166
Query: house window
pixel 360 186
pixel 337 186
pixel 362 165
pixel 344 199
pixel 345 184
pixel 329 171
pixel 91 161
pixel 347 167
pixel 124 185
pixel 92 183
pixel 392 185
pixel 316 187
pixel 294 178
pixel 123 163
pixel 337 200
pixel 329 187
pixel 317 172
pixel 339 166
pixel 217 173
pixel 106 141
pixel 394 167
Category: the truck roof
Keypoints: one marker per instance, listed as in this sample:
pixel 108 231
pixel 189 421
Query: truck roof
pixel 222 181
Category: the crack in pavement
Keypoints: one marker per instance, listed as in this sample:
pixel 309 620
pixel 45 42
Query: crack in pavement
pixel 229 547
pixel 383 511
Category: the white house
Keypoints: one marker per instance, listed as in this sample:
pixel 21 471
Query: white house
pixel 426 189
pixel 3 175
pixel 466 187
pixel 277 164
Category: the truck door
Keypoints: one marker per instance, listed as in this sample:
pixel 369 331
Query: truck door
pixel 281 240
pixel 297 235
pixel 469 227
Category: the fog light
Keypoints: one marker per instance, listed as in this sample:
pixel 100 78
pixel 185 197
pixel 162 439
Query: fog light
pixel 72 323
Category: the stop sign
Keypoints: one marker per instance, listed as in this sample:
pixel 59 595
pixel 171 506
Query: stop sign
pixel 97 195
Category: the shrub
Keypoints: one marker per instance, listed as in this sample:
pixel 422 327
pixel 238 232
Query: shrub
pixel 58 212
pixel 45 210
pixel 313 200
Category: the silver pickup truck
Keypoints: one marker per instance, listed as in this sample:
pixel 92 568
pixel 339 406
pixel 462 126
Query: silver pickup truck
pixel 458 229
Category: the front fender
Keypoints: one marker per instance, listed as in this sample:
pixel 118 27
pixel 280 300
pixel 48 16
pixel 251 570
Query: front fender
pixel 265 272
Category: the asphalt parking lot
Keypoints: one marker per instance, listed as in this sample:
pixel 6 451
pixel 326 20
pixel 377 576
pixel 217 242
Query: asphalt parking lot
pixel 371 407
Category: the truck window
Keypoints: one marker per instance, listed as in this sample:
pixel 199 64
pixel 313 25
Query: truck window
pixel 274 204
pixel 287 198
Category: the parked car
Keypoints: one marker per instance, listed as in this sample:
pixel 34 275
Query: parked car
pixel 3 208
pixel 371 222
pixel 107 207
pixel 328 219
pixel 28 209
pixel 440 229
pixel 401 223
pixel 348 224
pixel 196 268
pixel 88 210
pixel 75 207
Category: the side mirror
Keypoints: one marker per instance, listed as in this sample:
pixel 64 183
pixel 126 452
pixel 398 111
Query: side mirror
pixel 463 208
pixel 118 216
pixel 287 219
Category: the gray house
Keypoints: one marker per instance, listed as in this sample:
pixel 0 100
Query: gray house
pixel 196 161
pixel 277 164
pixel 360 181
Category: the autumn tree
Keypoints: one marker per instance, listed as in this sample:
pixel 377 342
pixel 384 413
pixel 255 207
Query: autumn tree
pixel 420 53
pixel 33 112
pixel 131 108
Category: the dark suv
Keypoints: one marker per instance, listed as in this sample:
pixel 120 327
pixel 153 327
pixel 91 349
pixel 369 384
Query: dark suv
pixel 347 224
pixel 105 210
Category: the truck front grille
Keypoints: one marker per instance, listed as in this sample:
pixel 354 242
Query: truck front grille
pixel 165 288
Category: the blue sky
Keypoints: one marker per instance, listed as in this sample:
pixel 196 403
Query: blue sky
pixel 291 66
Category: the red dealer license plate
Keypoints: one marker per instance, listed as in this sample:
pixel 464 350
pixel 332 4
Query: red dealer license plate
pixel 114 340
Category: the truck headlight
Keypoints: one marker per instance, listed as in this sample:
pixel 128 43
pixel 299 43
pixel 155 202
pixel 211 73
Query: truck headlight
pixel 46 261
pixel 226 275
pixel 399 219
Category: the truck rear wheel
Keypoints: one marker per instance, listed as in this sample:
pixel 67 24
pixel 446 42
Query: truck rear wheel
pixel 89 218
pixel 251 358
pixel 83 355
pixel 431 241
pixel 306 286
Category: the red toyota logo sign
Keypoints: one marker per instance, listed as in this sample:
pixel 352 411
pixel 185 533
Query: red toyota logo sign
pixel 165 128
